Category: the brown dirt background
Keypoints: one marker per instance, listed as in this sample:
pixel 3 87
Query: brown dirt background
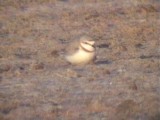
pixel 36 83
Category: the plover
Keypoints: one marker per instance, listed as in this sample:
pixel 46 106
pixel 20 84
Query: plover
pixel 84 54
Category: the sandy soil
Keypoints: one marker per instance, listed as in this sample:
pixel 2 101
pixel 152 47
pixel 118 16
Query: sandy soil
pixel 36 83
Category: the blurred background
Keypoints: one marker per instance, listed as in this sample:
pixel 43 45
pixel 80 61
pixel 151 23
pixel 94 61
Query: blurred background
pixel 36 83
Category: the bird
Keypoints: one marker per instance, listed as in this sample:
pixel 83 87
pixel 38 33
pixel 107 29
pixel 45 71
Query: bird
pixel 85 54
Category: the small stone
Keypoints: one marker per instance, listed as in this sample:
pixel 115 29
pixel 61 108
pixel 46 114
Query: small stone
pixel 139 45
pixel 133 86
pixel 38 66
pixel 4 68
pixel 104 45
pixel 54 53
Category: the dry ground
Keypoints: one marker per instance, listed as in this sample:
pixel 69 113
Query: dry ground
pixel 36 83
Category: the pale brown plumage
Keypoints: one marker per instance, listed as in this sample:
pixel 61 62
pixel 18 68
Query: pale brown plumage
pixel 84 54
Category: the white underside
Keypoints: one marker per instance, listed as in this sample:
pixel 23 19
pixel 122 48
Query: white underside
pixel 81 57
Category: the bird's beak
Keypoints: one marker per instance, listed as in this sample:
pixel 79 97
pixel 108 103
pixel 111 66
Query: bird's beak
pixel 94 45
